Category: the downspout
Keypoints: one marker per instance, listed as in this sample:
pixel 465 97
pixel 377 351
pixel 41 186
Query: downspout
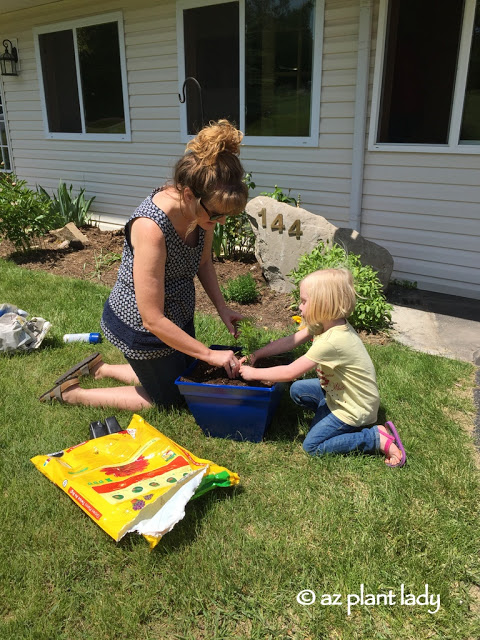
pixel 360 119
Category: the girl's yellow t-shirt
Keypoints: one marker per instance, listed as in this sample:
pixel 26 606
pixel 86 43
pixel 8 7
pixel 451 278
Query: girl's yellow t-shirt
pixel 351 390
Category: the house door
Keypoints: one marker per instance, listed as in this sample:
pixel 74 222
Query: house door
pixel 211 59
pixel 5 152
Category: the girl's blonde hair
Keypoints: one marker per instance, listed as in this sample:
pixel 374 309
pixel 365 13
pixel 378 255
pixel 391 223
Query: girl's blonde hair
pixel 211 167
pixel 331 296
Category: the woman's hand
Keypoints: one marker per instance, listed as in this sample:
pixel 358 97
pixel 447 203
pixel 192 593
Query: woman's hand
pixel 226 359
pixel 230 319
pixel 250 359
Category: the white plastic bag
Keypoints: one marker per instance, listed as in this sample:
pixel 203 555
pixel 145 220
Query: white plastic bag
pixel 18 332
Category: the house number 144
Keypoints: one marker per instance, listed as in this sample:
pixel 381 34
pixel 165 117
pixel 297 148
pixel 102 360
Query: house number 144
pixel 277 224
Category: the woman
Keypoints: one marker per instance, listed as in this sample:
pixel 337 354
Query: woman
pixel 149 313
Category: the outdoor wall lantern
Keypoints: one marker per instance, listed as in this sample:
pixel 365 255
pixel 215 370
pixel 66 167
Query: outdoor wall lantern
pixel 8 60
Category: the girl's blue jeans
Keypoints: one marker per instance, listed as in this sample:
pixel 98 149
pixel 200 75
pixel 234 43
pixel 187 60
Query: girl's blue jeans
pixel 328 434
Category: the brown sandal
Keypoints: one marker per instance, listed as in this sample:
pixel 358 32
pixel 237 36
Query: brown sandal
pixel 83 368
pixel 55 393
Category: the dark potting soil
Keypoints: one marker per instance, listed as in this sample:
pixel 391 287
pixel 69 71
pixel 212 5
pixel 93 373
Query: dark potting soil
pixel 208 374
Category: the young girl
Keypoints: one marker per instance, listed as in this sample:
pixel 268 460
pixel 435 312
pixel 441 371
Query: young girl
pixel 344 396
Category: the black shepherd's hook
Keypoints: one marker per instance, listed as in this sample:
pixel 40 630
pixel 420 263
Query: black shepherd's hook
pixel 197 84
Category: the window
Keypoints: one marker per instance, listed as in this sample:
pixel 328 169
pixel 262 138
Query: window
pixel 257 64
pixel 429 90
pixel 470 130
pixel 4 145
pixel 83 78
pixel 212 58
pixel 279 67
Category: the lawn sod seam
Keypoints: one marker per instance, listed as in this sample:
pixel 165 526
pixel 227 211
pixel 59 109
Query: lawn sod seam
pixel 232 568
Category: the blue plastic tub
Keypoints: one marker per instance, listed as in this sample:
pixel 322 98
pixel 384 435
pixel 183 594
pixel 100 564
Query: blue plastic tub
pixel 225 411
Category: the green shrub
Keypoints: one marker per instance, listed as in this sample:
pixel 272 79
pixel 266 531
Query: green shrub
pixel 277 194
pixel 251 337
pixel 235 238
pixel 66 206
pixel 372 312
pixel 24 215
pixel 242 289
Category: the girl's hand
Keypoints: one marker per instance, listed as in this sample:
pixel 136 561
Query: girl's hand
pixel 226 359
pixel 248 373
pixel 230 319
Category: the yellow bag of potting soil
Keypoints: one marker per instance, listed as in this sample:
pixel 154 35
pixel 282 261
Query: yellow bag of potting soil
pixel 135 480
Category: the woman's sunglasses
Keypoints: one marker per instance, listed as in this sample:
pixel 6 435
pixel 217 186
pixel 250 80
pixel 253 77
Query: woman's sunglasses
pixel 211 214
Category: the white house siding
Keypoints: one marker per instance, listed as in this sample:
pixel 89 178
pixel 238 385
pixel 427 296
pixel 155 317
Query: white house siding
pixel 424 208
pixel 118 174
pixel 425 211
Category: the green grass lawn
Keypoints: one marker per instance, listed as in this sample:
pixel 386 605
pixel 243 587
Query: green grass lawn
pixel 232 568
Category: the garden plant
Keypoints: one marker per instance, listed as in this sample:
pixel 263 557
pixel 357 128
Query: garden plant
pixel 372 312
pixel 242 289
pixel 24 215
pixel 235 238
pixel 251 337
pixel 67 206
pixel 277 194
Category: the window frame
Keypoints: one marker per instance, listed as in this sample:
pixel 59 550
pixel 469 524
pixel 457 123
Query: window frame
pixel 73 25
pixel 454 145
pixel 8 146
pixel 275 141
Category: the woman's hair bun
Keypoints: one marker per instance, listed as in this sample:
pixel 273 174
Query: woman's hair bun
pixel 217 137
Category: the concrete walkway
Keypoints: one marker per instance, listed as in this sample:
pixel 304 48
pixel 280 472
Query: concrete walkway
pixel 436 323
pixel 441 325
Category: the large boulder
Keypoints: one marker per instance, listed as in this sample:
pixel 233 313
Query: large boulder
pixel 285 233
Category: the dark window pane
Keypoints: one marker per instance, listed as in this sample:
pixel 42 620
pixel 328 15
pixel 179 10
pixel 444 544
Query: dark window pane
pixel 60 81
pixel 471 110
pixel 3 134
pixel 212 57
pixel 99 55
pixel 4 154
pixel 419 73
pixel 278 68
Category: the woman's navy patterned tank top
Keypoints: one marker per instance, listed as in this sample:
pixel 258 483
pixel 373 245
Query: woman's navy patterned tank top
pixel 121 322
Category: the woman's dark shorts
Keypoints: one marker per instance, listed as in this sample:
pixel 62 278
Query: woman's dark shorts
pixel 157 376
